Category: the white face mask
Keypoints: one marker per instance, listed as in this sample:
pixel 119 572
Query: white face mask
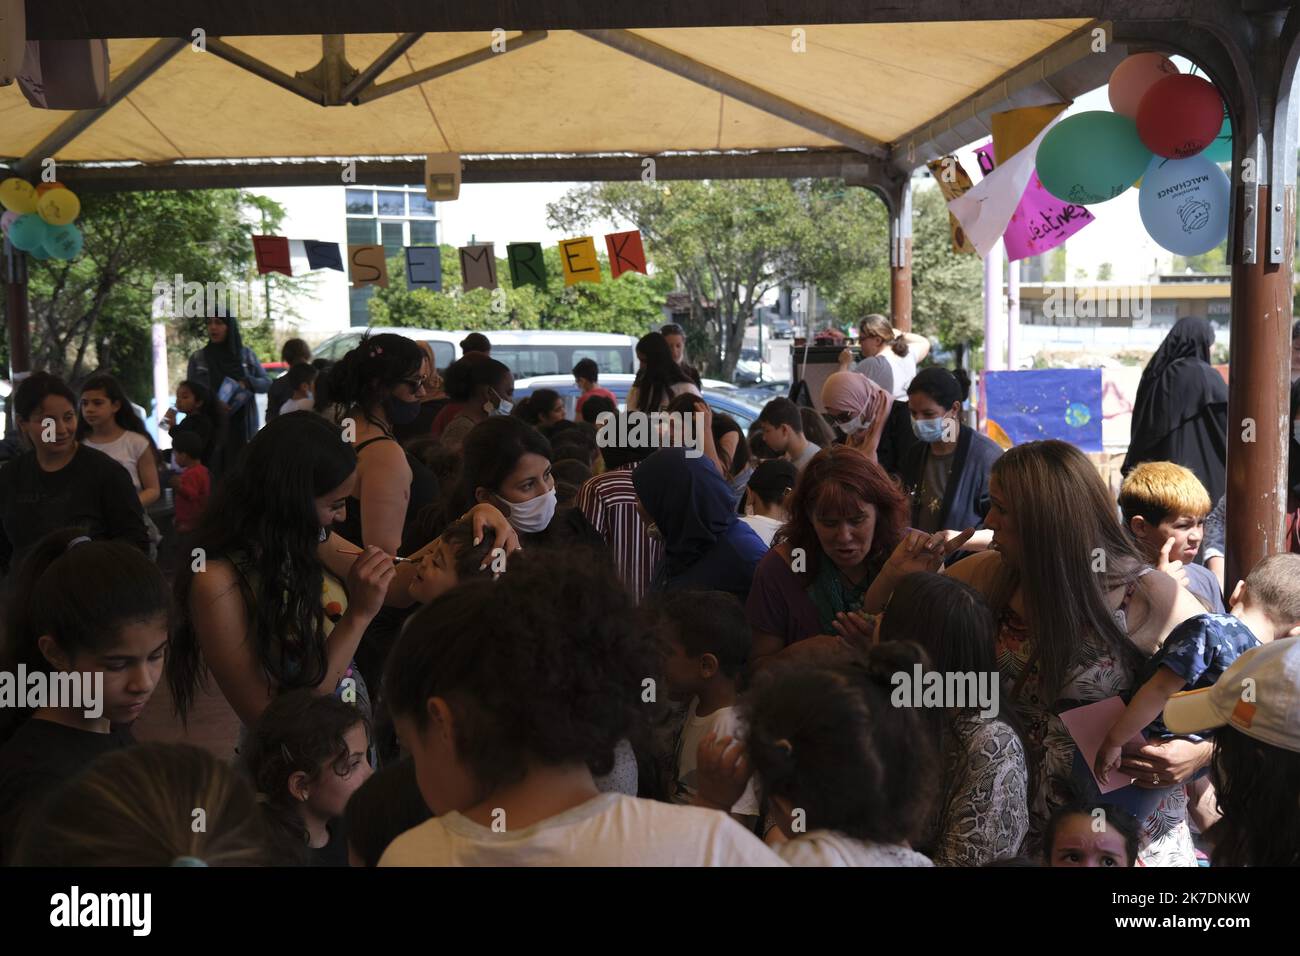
pixel 504 408
pixel 853 425
pixel 532 515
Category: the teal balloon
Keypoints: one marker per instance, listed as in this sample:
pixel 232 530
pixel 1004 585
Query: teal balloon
pixel 40 253
pixel 64 242
pixel 1220 150
pixel 28 232
pixel 1184 204
pixel 1091 157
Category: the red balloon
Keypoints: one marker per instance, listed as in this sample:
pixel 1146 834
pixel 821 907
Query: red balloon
pixel 43 188
pixel 1179 116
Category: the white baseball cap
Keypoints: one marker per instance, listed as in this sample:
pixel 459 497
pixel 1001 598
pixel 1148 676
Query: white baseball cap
pixel 1259 695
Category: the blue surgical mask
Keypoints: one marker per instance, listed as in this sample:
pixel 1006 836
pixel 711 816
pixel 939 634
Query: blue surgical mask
pixel 929 430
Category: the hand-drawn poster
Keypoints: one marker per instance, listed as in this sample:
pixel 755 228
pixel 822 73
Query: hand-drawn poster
pixel 1034 404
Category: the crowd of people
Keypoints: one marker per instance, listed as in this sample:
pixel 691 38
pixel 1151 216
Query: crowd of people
pixel 456 627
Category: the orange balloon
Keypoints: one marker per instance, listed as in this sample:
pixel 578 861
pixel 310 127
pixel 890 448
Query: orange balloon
pixel 43 188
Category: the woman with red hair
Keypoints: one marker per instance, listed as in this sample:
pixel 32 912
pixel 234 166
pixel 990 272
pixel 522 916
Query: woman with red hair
pixel 846 516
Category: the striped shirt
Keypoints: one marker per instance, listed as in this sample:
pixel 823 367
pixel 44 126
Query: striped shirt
pixel 608 501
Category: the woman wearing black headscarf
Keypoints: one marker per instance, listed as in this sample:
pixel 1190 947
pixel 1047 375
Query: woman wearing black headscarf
pixel 1181 412
pixel 226 357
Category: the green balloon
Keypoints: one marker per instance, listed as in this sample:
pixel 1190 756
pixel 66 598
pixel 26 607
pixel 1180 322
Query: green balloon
pixel 1091 157
pixel 1220 150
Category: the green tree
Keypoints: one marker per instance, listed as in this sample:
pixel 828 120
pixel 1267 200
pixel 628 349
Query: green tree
pixel 95 311
pixel 1054 265
pixel 1104 272
pixel 730 242
pixel 947 286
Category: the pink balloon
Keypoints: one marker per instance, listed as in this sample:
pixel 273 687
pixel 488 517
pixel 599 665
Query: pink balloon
pixel 1130 80
pixel 6 219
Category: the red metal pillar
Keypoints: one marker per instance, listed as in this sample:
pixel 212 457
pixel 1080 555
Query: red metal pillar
pixel 1257 392
pixel 900 256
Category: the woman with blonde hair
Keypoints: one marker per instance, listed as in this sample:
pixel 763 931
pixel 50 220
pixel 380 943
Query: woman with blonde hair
pixel 902 350
pixel 1078 612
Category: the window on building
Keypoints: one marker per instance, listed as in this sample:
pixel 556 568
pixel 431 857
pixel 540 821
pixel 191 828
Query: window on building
pixel 391 235
pixel 392 203
pixel 361 232
pixel 424 232
pixel 420 204
pixel 360 202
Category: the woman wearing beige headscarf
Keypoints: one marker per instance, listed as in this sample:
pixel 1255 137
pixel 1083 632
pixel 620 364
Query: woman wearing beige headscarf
pixel 858 408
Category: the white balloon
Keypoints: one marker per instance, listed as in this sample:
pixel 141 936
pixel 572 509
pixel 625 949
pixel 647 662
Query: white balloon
pixel 1184 204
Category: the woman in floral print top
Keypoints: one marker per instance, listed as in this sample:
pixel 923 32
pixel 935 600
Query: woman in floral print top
pixel 1078 612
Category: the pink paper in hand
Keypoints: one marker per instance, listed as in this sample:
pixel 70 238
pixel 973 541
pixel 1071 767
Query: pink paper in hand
pixel 1088 725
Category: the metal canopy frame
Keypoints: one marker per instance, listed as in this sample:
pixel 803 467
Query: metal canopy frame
pixel 1249 48
pixel 66 19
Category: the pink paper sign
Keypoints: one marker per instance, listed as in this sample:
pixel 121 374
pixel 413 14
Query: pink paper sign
pixel 1041 222
pixel 1088 725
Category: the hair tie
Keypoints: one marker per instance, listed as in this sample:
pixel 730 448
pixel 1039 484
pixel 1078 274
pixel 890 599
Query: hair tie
pixel 79 539
pixel 188 861
pixel 785 745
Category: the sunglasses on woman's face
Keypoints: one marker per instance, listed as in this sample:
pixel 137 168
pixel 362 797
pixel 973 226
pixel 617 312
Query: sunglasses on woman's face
pixel 416 384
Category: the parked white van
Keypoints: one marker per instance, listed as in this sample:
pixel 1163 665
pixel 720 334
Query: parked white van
pixel 524 353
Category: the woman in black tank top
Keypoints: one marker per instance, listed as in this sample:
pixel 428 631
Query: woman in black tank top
pixel 377 386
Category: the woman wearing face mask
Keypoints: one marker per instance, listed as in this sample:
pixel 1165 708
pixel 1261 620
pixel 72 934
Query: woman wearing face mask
pixel 378 386
pixel 486 387
pixel 947 471
pixel 507 464
pixel 858 409
pixel 226 357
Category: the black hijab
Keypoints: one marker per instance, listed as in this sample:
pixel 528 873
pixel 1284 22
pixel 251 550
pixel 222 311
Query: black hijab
pixel 226 359
pixel 1180 414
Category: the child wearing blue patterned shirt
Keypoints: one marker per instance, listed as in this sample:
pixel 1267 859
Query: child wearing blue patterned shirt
pixel 1265 606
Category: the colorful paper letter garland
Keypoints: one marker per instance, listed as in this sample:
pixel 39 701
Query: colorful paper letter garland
pixel 478 265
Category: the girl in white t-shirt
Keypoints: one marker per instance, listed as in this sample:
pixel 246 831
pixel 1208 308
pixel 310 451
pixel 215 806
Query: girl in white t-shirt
pixel 110 425
pixel 849 777
pixel 510 694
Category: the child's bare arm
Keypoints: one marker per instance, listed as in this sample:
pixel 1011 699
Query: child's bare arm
pixel 1145 707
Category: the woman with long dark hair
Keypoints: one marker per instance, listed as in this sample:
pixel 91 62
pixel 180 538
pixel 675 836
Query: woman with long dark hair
pixel 227 357
pixel 1181 410
pixel 659 379
pixel 109 424
pixel 1078 611
pixel 982 814
pixel 507 465
pixel 374 387
pixel 59 482
pixel 277 599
